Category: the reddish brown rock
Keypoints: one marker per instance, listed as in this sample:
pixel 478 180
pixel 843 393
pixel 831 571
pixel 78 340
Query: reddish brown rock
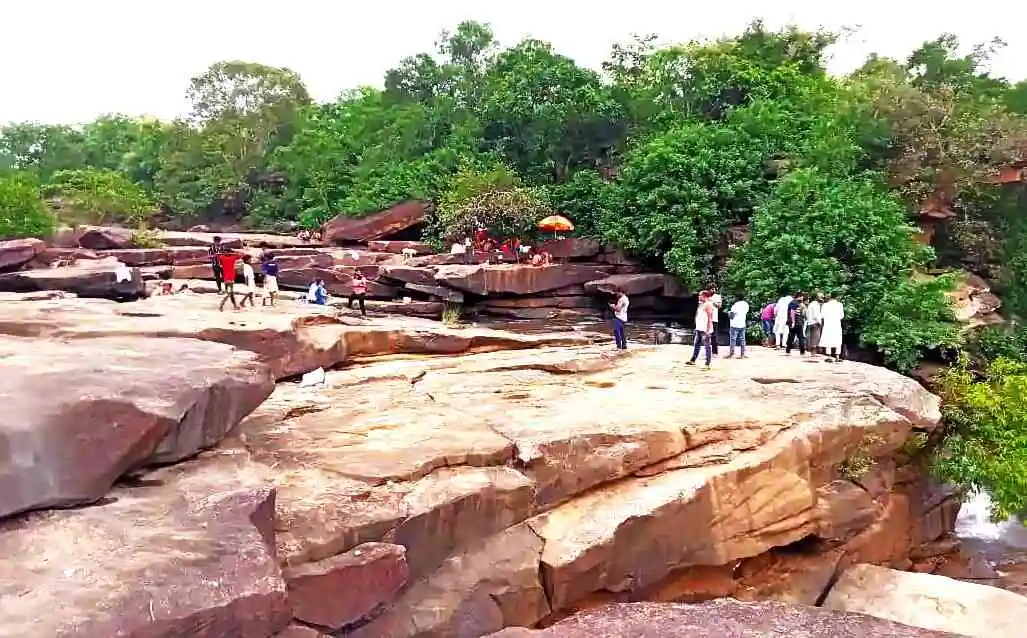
pixel 345 228
pixel 54 257
pixel 79 414
pixel 341 590
pixel 630 284
pixel 445 294
pixel 300 631
pixel 545 302
pixel 571 248
pixel 104 237
pixel 616 257
pixel 409 274
pixel 17 252
pixel 233 240
pixel 183 555
pixel 516 279
pixel 397 247
pixel 338 281
pixel 140 256
pixel 86 279
pixel 425 309
pixel 721 619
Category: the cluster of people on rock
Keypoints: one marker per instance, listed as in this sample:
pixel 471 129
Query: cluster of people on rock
pixel 510 250
pixel 307 236
pixel 227 263
pixel 789 322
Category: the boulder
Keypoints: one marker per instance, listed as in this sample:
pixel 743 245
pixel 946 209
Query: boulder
pixel 140 256
pixel 345 228
pixel 183 554
pixel 929 601
pixel 81 413
pixel 973 302
pixel 104 237
pixel 720 619
pixel 99 278
pixel 631 284
pixel 344 589
pixel 15 253
pixel 397 247
pixel 445 294
pixel 338 281
pixel 54 257
pixel 571 248
pixel 422 276
pixel 516 279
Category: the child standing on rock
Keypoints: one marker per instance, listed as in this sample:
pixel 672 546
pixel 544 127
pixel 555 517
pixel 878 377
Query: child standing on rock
pixel 270 269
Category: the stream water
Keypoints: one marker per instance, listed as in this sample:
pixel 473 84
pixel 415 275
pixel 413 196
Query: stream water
pixel 1002 545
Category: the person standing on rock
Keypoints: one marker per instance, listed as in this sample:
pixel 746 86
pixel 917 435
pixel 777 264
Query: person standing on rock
pixel 767 323
pixel 736 327
pixel 814 324
pixel 620 318
pixel 718 303
pixel 250 279
pixel 359 292
pixel 215 250
pixel 781 321
pixel 703 328
pixel 227 260
pixel 270 270
pixel 832 313
pixel 797 323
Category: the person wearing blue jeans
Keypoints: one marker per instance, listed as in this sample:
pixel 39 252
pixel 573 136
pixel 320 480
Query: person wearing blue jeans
pixel 620 319
pixel 739 315
pixel 703 329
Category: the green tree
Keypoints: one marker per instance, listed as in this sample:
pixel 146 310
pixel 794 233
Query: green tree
pixel 492 198
pixel 96 196
pixel 22 211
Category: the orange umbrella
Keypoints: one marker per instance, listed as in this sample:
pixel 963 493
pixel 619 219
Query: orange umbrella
pixel 556 224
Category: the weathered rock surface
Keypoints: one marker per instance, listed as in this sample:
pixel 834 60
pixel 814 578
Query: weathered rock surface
pixel 639 284
pixel 16 252
pixel 571 248
pixel 344 589
pixel 159 256
pixel 397 247
pixel 445 294
pixel 518 280
pixel 721 619
pixel 55 257
pixel 103 237
pixel 343 228
pixel 80 414
pixel 930 601
pixel 86 279
pixel 182 555
pixel 232 240
pixel 423 276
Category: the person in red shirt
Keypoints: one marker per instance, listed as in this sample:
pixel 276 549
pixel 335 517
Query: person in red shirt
pixel 228 260
pixel 359 291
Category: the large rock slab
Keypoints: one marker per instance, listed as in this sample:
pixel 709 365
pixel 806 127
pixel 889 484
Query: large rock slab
pixel 233 240
pixel 17 252
pixel 98 279
pixel 930 601
pixel 344 228
pixel 178 256
pixel 720 619
pixel 571 248
pixel 422 276
pixel 516 279
pixel 397 247
pixel 103 237
pixel 80 414
pixel 183 555
pixel 338 281
pixel 639 284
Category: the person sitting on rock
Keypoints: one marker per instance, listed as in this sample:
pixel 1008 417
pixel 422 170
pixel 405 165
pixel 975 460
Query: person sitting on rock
pixel 318 294
pixel 303 235
pixel 359 291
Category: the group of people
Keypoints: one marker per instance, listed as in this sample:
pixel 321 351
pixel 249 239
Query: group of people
pixel 815 327
pixel 510 250
pixel 226 263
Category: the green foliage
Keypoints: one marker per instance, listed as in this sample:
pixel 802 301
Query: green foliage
pixel 588 201
pixel 147 238
pixel 985 447
pixel 913 317
pixel 844 235
pixel 860 459
pixel 96 196
pixel 493 199
pixel 22 211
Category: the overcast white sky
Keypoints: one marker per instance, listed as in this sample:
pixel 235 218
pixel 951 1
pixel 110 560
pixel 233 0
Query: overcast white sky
pixel 71 60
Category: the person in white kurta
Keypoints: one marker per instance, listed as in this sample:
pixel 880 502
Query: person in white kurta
pixel 781 321
pixel 831 315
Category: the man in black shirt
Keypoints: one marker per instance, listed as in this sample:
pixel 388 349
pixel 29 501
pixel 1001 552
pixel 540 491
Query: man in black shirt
pixel 797 323
pixel 216 248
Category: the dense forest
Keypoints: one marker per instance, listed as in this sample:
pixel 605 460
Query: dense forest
pixel 740 161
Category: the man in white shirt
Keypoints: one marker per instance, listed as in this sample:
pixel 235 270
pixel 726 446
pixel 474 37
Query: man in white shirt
pixel 781 321
pixel 620 319
pixel 717 302
pixel 703 329
pixel 736 327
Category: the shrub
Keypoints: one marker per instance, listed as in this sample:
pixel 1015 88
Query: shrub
pixel 22 211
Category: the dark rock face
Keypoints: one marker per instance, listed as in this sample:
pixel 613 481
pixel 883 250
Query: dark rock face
pixel 723 618
pixel 104 238
pixel 517 280
pixel 342 228
pixel 99 280
pixel 17 252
